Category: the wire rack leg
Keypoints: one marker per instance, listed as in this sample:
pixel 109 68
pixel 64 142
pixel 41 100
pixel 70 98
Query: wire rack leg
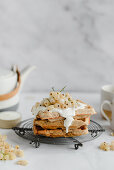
pixel 77 144
pixel 36 143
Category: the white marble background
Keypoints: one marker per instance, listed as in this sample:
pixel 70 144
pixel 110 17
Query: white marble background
pixel 70 41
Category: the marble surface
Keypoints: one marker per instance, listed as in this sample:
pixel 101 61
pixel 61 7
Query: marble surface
pixel 59 157
pixel 71 42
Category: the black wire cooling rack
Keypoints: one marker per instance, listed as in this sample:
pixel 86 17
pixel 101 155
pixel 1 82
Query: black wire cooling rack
pixel 24 129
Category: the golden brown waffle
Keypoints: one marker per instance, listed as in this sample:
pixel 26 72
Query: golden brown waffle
pixel 46 124
pixel 51 124
pixel 60 132
pixel 82 113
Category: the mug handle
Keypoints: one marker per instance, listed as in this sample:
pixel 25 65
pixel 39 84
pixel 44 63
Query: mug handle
pixel 102 111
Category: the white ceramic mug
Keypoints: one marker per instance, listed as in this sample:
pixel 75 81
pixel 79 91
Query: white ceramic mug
pixel 107 103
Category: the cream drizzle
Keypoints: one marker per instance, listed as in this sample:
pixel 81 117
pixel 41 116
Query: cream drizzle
pixel 68 113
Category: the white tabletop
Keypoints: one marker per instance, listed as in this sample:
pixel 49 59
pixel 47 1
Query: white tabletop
pixel 59 157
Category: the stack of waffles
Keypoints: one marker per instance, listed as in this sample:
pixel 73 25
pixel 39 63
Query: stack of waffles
pixel 61 116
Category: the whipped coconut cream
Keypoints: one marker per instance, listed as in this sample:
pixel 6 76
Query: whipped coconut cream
pixel 66 113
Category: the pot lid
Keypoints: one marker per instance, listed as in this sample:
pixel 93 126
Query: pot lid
pixel 4 73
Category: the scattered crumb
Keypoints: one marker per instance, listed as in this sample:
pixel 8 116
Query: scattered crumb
pixel 112 146
pixel 12 156
pixel 22 162
pixel 17 147
pixel 19 153
pixel 106 146
pixel 8 152
pixel 6 157
pixel 112 133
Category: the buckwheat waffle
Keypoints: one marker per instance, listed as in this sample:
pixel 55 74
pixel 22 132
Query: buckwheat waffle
pixel 61 116
pixel 46 124
pixel 60 132
pixel 80 113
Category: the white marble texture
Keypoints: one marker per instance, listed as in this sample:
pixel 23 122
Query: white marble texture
pixel 70 41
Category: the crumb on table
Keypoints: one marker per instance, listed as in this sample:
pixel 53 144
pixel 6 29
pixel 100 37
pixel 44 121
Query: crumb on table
pixel 22 162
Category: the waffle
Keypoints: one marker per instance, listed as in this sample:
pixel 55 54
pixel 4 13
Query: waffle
pixel 60 132
pixel 52 122
pixel 81 113
pixel 46 124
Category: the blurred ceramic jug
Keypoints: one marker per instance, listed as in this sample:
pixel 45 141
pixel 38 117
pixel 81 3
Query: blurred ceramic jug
pixel 11 82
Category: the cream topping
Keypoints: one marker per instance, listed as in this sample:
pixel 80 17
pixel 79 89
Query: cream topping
pixel 66 113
